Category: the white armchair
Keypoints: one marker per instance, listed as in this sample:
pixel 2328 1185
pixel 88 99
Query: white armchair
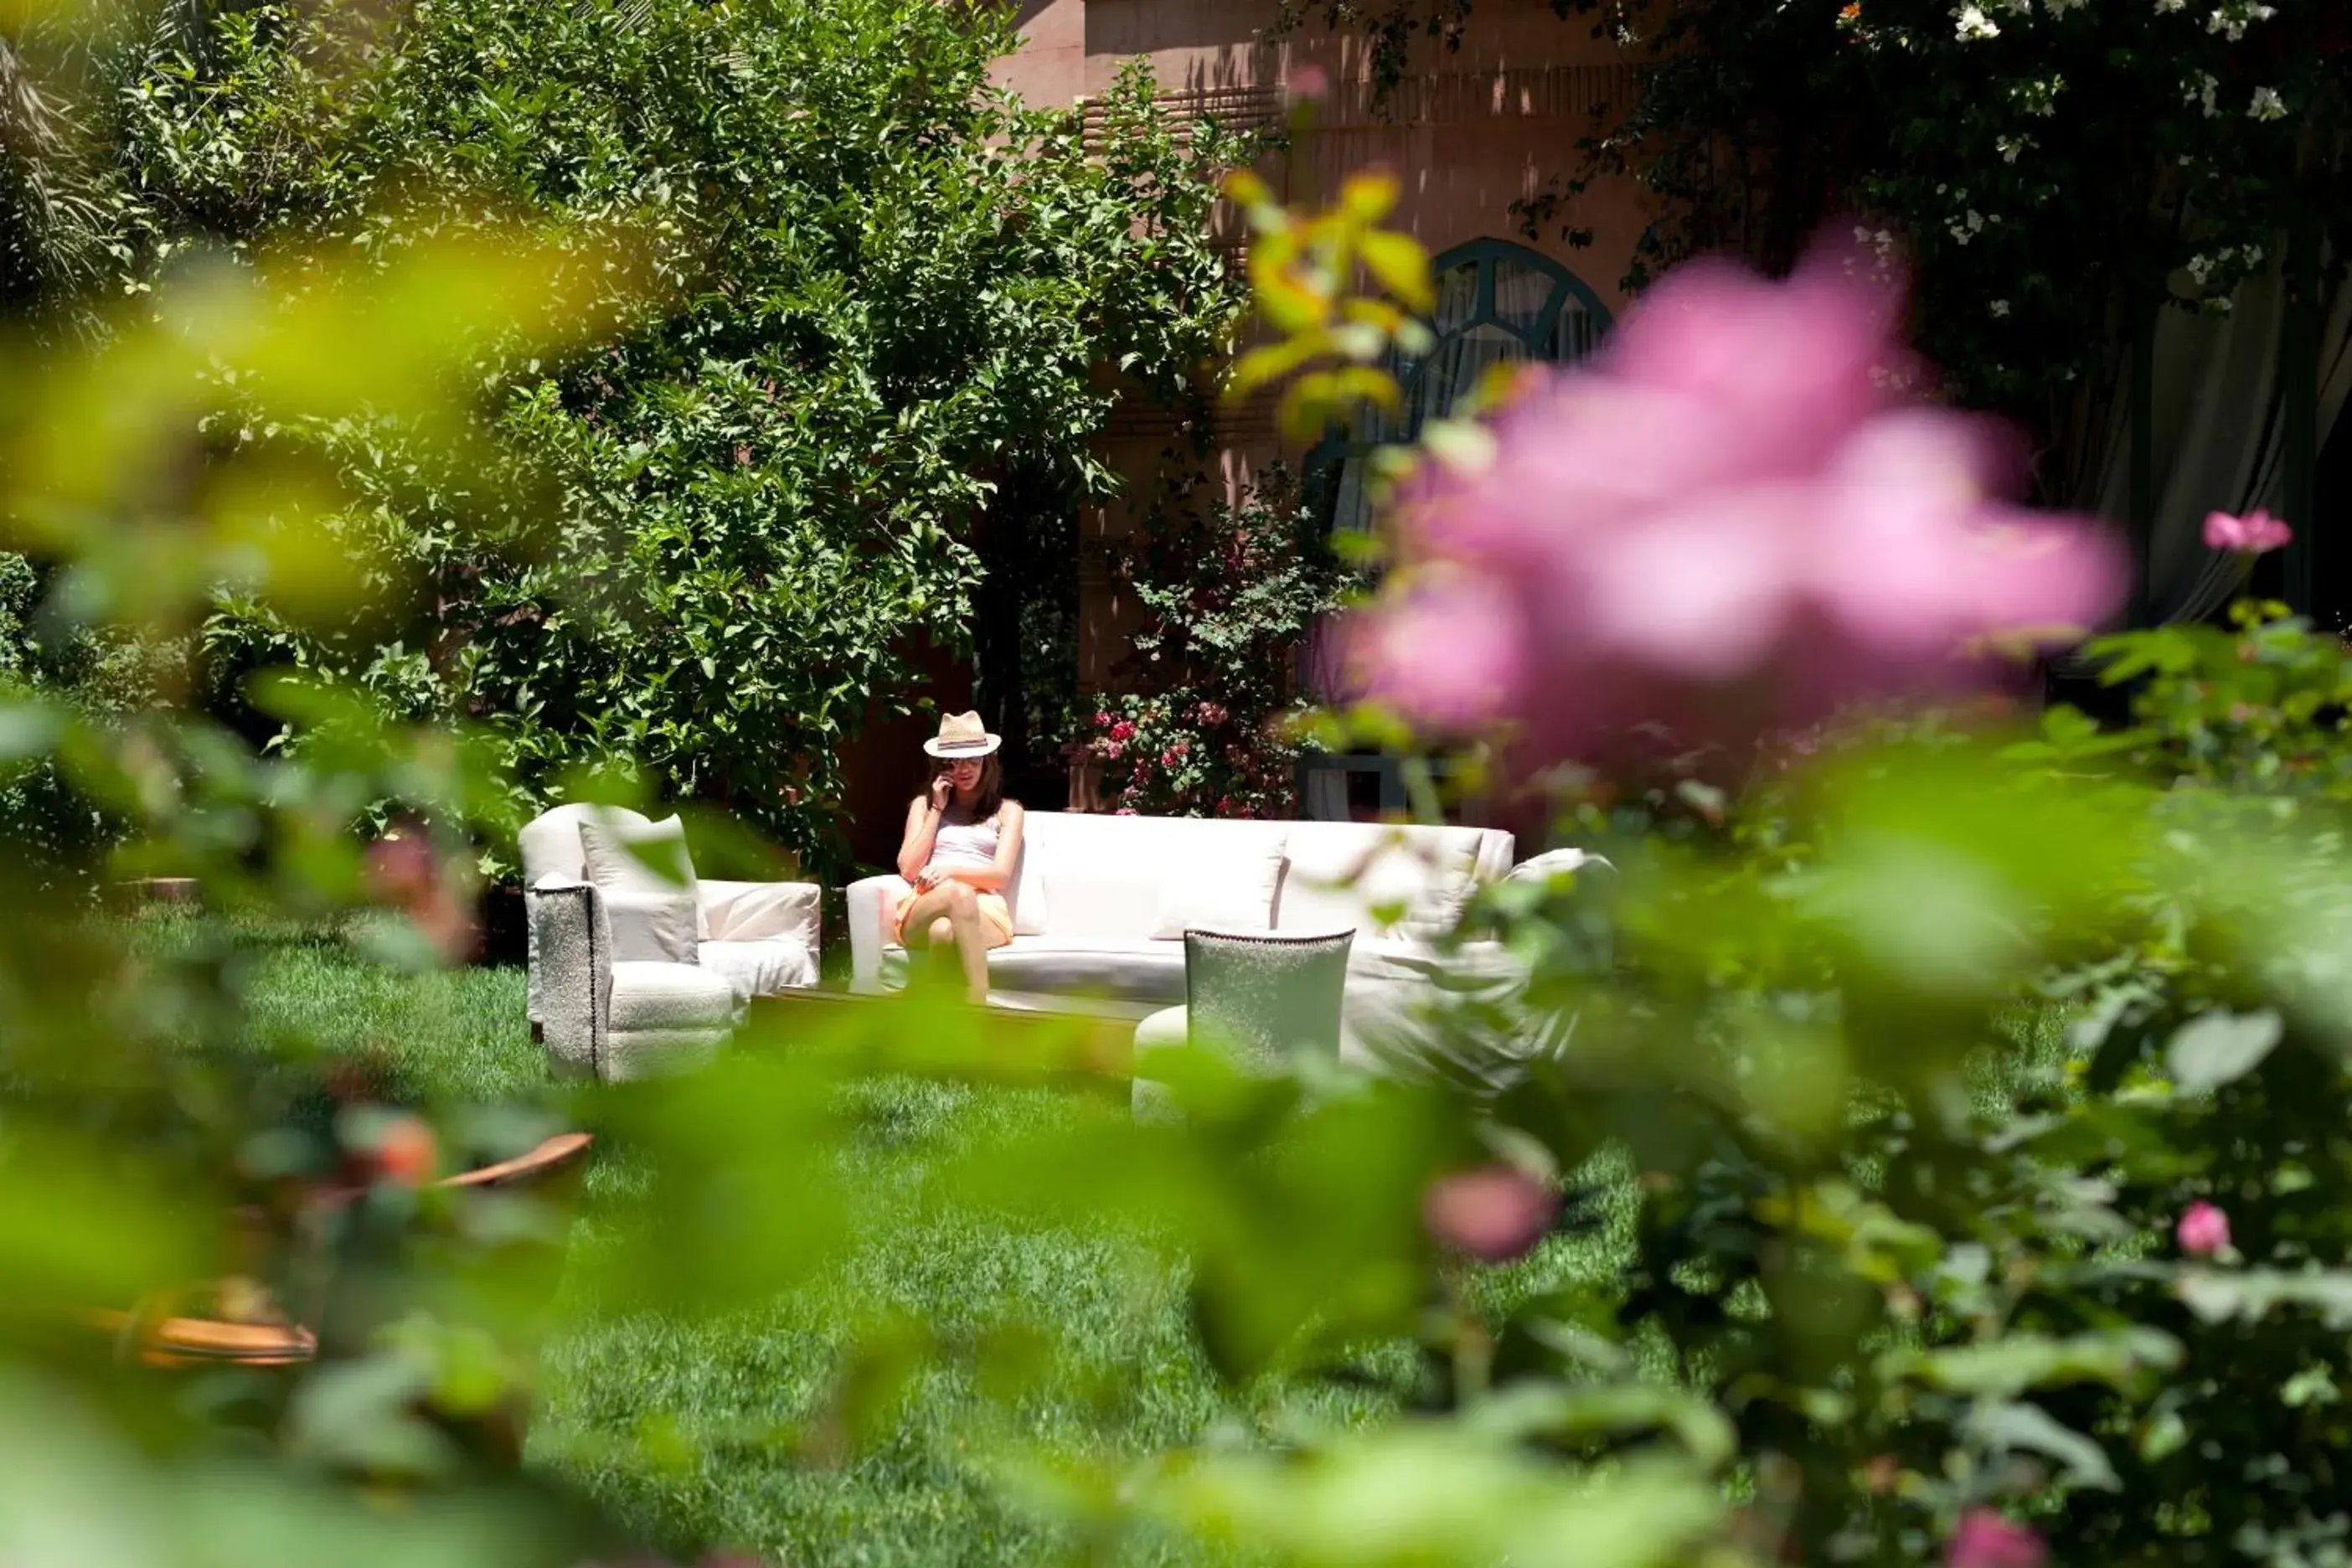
pixel 632 975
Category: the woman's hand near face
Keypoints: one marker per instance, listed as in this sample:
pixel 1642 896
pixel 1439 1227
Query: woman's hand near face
pixel 943 788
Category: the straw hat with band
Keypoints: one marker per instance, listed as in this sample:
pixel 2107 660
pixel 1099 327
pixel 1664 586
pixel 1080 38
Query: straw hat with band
pixel 963 735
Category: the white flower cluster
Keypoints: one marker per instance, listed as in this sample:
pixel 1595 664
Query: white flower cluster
pixel 2000 309
pixel 2204 86
pixel 2166 7
pixel 1881 241
pixel 2202 266
pixel 2008 147
pixel 2268 104
pixel 1974 24
pixel 2233 17
pixel 2038 97
pixel 1966 226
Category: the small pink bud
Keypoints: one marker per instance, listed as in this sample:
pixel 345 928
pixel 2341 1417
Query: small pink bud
pixel 1494 1214
pixel 1985 1540
pixel 2203 1230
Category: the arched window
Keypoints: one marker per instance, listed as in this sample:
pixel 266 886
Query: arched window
pixel 1496 301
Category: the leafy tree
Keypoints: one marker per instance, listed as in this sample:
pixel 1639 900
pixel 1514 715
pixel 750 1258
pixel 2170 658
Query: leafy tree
pixel 884 294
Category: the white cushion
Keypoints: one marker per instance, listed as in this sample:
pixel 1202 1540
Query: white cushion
pixel 1341 873
pixel 1102 875
pixel 761 967
pixel 650 927
pixel 628 854
pixel 647 856
pixel 1220 892
pixel 669 996
pixel 1026 896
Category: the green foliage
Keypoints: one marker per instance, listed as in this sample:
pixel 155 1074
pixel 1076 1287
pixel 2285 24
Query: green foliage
pixel 1230 595
pixel 2054 172
pixel 878 295
pixel 1918 1054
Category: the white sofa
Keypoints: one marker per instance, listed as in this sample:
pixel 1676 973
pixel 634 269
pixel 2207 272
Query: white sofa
pixel 1099 902
pixel 623 983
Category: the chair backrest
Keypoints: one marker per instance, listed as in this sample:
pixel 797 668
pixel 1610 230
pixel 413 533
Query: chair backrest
pixel 550 842
pixel 1266 998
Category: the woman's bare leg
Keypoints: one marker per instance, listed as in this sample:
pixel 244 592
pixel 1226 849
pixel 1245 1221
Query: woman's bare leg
pixel 949 913
pixel 970 940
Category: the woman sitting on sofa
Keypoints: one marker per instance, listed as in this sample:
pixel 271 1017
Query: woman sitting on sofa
pixel 963 840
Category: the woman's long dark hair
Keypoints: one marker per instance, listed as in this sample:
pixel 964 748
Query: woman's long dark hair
pixel 988 798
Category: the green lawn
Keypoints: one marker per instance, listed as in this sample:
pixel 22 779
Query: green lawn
pixel 702 1433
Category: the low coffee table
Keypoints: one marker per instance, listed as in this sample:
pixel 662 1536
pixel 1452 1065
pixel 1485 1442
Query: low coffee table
pixel 995 1042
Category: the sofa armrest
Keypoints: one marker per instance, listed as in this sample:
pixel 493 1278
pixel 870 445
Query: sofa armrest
pixel 872 902
pixel 1553 863
pixel 571 970
pixel 756 912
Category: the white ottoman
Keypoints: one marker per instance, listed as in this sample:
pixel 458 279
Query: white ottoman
pixel 1157 1035
pixel 665 1017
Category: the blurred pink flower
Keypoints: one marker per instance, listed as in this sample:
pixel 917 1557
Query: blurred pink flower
pixel 2203 1230
pixel 1494 1214
pixel 1310 82
pixel 1450 652
pixel 1123 731
pixel 1736 517
pixel 2255 533
pixel 1985 1540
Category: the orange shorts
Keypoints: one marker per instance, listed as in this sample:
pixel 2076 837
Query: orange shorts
pixel 992 908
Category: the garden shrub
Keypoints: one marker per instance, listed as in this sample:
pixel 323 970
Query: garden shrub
pixel 1230 595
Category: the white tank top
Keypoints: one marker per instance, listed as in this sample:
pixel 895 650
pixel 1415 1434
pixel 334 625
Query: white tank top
pixel 965 843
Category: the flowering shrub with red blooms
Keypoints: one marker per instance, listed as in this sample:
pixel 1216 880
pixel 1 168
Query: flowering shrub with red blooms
pixel 1230 594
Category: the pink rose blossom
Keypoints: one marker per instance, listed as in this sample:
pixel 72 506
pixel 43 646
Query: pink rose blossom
pixel 1113 750
pixel 1736 517
pixel 1450 652
pixel 1494 1214
pixel 2255 533
pixel 2203 1230
pixel 1123 731
pixel 1102 719
pixel 1986 1540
